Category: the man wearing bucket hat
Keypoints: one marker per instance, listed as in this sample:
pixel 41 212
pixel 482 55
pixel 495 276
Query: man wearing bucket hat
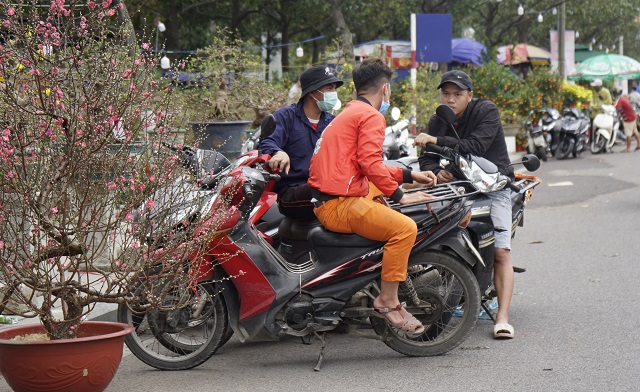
pixel 298 128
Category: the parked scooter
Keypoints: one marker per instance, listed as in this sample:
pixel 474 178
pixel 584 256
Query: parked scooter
pixel 606 125
pixel 536 141
pixel 551 124
pixel 396 137
pixel 574 134
pixel 245 286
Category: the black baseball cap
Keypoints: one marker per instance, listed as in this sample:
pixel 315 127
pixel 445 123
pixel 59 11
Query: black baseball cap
pixel 316 77
pixel 457 77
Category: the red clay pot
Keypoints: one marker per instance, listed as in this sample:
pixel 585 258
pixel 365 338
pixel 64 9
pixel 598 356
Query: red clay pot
pixel 87 363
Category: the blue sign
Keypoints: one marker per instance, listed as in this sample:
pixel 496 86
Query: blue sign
pixel 433 38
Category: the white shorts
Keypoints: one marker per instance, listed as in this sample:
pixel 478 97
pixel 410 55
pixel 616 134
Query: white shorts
pixel 501 217
pixel 630 128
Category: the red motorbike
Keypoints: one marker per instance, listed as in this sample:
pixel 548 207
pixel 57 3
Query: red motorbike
pixel 312 283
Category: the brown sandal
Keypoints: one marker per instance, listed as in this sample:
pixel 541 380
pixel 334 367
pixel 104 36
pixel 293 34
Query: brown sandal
pixel 408 324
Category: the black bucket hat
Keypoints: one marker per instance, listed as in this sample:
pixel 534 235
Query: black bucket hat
pixel 316 77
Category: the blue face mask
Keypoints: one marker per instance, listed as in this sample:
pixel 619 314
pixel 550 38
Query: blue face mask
pixel 384 106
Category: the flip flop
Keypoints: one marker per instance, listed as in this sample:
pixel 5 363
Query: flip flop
pixel 503 331
pixel 408 324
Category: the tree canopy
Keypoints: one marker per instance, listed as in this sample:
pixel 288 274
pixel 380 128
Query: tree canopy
pixel 284 24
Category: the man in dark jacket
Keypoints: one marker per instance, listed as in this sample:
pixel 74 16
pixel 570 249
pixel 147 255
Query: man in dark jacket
pixel 478 132
pixel 298 128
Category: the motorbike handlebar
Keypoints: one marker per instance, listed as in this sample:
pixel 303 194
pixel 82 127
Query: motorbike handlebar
pixel 435 148
pixel 513 186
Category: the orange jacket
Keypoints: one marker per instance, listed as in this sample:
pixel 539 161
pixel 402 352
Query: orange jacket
pixel 349 155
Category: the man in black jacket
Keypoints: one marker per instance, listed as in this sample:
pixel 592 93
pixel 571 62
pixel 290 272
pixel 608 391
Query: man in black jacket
pixel 479 132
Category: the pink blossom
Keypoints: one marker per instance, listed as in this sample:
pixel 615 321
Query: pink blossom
pixel 135 244
pixel 111 185
pixel 11 11
pixel 91 4
pixel 145 46
pixel 129 217
pixel 1 245
pixel 55 70
pixel 111 12
pixel 150 204
pixel 54 210
pixel 152 178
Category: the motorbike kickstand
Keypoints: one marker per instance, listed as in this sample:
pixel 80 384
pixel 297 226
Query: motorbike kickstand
pixel 323 339
pixel 488 311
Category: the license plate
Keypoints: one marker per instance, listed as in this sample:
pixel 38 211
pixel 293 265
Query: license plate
pixel 538 140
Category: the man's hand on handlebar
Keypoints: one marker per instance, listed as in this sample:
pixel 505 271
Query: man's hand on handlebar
pixel 423 139
pixel 445 176
pixel 279 162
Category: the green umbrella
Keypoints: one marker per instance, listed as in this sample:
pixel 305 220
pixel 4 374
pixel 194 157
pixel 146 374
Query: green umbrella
pixel 606 67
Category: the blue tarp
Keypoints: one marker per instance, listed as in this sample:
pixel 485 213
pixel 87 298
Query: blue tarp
pixel 466 50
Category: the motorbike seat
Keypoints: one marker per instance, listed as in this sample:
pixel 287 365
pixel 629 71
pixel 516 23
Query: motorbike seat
pixel 296 230
pixel 319 236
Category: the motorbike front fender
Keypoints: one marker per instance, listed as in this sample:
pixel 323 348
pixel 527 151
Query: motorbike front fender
pixel 603 133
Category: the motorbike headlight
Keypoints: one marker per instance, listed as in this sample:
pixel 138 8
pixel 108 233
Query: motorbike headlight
pixel 481 180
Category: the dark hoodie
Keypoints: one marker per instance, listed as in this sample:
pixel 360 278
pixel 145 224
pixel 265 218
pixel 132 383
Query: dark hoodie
pixel 480 132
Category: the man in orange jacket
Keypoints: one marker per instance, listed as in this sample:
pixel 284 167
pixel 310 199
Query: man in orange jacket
pixel 347 172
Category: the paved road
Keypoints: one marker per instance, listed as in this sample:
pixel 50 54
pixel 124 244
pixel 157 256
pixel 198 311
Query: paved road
pixel 574 310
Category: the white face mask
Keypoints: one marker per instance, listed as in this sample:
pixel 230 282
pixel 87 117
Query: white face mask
pixel 329 101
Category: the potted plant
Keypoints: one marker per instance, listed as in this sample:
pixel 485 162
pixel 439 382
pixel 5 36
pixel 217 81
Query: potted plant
pixel 75 172
pixel 226 93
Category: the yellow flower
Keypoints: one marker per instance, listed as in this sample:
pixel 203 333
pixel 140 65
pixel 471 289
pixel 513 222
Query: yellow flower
pixel 47 91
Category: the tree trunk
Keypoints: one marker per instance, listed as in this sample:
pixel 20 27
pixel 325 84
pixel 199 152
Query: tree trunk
pixel 173 26
pixel 343 30
pixel 285 48
pixel 129 33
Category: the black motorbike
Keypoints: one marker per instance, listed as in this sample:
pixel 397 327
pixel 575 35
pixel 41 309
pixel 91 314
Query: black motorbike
pixel 481 177
pixel 550 122
pixel 574 134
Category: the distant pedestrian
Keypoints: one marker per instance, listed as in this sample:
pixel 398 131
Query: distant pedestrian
pixel 601 96
pixel 629 120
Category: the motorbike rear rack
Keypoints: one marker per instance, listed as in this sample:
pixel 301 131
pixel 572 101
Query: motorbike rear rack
pixel 442 192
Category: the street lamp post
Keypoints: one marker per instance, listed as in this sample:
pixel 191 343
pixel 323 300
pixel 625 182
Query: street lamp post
pixel 160 28
pixel 561 42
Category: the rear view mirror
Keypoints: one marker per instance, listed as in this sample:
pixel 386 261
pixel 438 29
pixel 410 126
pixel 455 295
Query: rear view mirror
pixel 531 162
pixel 267 126
pixel 446 114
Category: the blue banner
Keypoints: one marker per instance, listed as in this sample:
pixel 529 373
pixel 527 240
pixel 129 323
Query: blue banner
pixel 433 38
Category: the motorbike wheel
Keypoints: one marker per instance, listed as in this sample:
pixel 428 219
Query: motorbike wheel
pixel 597 145
pixel 565 148
pixel 446 288
pixel 541 153
pixel 183 346
pixel 579 148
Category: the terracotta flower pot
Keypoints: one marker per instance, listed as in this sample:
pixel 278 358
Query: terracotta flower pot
pixel 86 363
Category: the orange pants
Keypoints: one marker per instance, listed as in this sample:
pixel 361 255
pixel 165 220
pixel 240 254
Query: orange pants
pixel 375 221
